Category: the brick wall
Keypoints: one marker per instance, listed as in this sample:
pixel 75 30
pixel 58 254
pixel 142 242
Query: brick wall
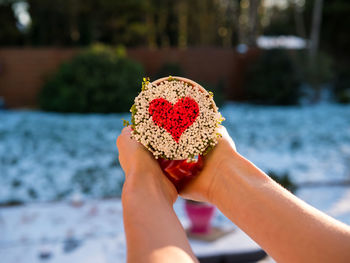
pixel 209 65
pixel 23 71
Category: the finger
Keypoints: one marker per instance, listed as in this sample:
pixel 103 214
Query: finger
pixel 223 131
pixel 126 130
pixel 225 135
pixel 125 136
pixel 125 141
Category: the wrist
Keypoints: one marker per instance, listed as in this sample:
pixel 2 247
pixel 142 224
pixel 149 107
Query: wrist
pixel 148 187
pixel 224 172
pixel 143 164
pixel 238 180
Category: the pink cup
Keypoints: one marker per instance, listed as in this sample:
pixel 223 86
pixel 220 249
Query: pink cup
pixel 200 215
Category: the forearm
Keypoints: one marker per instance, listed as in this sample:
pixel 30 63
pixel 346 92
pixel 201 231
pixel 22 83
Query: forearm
pixel 286 227
pixel 153 231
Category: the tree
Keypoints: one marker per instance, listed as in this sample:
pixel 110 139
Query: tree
pixel 299 20
pixel 81 22
pixel 334 36
pixel 319 64
pixel 315 29
pixel 182 14
pixel 253 22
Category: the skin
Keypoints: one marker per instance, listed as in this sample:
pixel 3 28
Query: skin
pixel 153 231
pixel 288 229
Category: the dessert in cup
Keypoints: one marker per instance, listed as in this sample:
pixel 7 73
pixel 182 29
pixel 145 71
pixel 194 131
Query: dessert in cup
pixel 177 120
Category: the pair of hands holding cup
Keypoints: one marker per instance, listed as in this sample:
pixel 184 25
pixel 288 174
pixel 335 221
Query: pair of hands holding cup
pixel 142 171
pixel 287 228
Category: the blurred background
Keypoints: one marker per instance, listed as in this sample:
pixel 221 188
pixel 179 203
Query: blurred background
pixel 69 71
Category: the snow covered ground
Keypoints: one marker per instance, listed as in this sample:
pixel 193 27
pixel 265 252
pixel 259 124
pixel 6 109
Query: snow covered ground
pixel 59 232
pixel 90 233
pixel 46 157
pixel 312 144
pixel 50 157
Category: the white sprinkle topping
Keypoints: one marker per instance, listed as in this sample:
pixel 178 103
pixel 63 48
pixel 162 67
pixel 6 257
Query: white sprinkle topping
pixel 194 140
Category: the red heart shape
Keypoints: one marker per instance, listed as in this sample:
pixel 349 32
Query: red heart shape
pixel 174 119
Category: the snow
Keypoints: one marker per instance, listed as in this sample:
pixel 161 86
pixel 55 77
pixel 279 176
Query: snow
pixel 287 42
pixel 97 227
pixel 49 159
pixel 46 156
pixel 312 144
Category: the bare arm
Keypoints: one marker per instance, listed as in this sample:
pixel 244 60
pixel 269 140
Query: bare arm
pixel 153 231
pixel 287 228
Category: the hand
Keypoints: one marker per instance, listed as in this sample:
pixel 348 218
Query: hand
pixel 143 176
pixel 202 187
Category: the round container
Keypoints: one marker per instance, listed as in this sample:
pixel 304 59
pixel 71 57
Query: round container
pixel 181 171
pixel 200 215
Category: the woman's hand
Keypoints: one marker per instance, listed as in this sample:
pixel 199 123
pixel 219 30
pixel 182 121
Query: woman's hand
pixel 204 185
pixel 153 231
pixel 143 176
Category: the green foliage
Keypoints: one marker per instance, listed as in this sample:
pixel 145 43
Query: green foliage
pixel 273 79
pixel 82 22
pixel 153 23
pixel 97 80
pixel 282 22
pixel 284 180
pixel 335 28
pixel 342 85
pixel 343 96
pixel 318 71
